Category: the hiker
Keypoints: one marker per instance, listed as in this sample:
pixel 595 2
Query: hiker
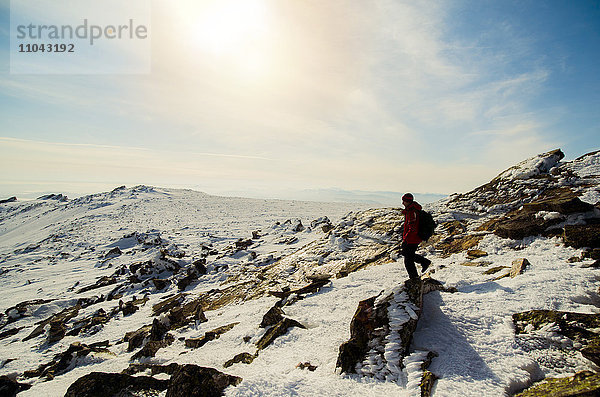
pixel 410 237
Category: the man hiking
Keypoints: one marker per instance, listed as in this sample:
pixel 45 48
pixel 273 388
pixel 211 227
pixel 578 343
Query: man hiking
pixel 410 237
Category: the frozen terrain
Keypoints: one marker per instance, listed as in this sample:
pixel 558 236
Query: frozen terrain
pixel 144 245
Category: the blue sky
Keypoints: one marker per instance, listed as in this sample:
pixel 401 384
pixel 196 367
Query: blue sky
pixel 269 97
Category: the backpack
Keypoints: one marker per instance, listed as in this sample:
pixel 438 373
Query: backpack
pixel 426 225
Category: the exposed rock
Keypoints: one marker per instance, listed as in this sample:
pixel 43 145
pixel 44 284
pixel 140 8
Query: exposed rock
pixel 113 253
pixel 159 283
pixel 57 331
pixel 167 304
pixel 10 387
pixel 592 352
pixel 456 244
pixel 57 197
pixel 579 327
pixel 472 264
pixel 242 244
pixel 152 346
pixel 21 310
pixel 272 317
pixel 245 358
pixel 582 384
pixel 591 254
pixel 518 267
pixel 127 308
pixel 62 361
pixel 495 269
pixel 579 236
pixel 314 286
pixel 9 200
pixel 200 266
pixel 9 332
pixel 427 383
pixel 208 336
pixel 430 284
pixel 370 327
pixel 474 254
pixel 188 313
pixel 103 282
pixel 57 319
pixel 158 330
pixel 307 365
pixel 277 330
pixel 135 368
pixel 101 384
pixel 194 381
pixel 136 338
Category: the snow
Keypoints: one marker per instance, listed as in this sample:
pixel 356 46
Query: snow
pixel 531 167
pixel 62 246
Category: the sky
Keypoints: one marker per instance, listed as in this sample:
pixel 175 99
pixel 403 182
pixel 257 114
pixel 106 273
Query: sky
pixel 271 98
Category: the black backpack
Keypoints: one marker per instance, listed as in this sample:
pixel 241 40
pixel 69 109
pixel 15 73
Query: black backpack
pixel 426 225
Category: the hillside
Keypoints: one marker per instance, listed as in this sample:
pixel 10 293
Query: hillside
pixel 261 294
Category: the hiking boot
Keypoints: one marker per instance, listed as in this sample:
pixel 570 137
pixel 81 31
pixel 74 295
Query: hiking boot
pixel 425 266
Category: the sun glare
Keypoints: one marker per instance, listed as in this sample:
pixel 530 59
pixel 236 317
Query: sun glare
pixel 235 32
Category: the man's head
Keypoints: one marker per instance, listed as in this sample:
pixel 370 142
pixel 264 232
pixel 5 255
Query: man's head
pixel 407 199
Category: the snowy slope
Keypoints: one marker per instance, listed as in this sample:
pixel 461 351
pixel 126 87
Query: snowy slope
pixel 55 251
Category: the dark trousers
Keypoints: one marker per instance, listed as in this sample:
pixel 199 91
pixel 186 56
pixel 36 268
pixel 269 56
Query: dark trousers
pixel 409 251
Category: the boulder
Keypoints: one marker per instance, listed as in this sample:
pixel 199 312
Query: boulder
pixel 245 358
pixel 61 362
pixel 57 331
pixel 152 346
pixel 101 384
pixel 381 331
pixel 136 338
pixel 194 381
pixel 474 254
pixel 113 253
pixel 518 267
pixel 10 387
pixel 159 283
pixel 277 330
pixel 59 321
pixel 307 365
pixel 580 236
pixel 455 244
pixel 272 317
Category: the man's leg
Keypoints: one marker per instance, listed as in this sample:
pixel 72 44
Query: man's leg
pixel 408 251
pixel 424 262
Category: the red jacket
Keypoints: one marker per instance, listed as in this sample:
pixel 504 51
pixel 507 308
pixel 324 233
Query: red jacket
pixel 411 223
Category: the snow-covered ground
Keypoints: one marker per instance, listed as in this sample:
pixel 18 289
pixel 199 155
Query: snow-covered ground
pixel 50 249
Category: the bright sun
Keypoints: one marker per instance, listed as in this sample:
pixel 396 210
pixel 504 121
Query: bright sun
pixel 235 32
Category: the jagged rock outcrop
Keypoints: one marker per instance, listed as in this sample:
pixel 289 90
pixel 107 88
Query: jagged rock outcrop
pixel 57 323
pixel 381 331
pixel 276 331
pixel 208 336
pixel 10 387
pixel 582 384
pixel 63 361
pixel 101 384
pixel 245 358
pixel 194 381
pixel 186 381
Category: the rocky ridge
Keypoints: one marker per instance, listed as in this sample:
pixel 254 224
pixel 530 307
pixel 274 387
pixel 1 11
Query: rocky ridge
pixel 178 287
